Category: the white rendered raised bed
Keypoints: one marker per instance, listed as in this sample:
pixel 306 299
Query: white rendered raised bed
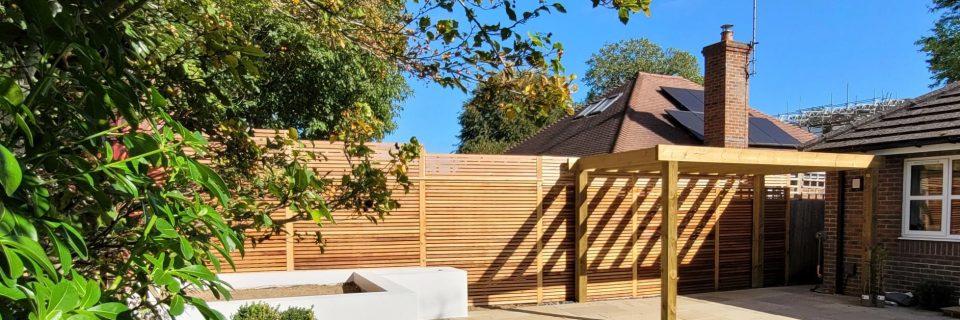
pixel 412 293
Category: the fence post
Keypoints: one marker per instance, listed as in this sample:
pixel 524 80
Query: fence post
pixel 422 184
pixel 289 240
pixel 716 238
pixel 786 242
pixel 539 203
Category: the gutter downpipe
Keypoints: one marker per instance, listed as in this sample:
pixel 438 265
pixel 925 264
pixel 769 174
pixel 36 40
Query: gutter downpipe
pixel 841 222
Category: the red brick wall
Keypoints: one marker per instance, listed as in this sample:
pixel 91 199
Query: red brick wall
pixel 725 90
pixel 909 262
pixel 852 232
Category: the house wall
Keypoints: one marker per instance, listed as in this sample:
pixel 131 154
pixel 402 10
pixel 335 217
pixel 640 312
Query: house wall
pixel 909 262
pixel 509 222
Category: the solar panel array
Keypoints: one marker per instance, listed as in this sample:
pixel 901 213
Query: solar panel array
pixel 761 131
pixel 691 100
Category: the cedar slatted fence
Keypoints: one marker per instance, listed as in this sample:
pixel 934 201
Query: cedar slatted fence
pixel 508 221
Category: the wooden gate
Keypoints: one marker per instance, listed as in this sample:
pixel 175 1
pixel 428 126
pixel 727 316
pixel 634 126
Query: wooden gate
pixel 806 221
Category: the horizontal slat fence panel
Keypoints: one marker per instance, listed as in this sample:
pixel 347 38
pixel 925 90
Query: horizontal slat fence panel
pixel 774 237
pixel 736 226
pixel 508 221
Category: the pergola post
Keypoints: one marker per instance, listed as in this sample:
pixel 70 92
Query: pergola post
pixel 581 231
pixel 759 195
pixel 668 241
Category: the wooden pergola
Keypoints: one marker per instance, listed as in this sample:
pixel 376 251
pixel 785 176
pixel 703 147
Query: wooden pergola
pixel 671 160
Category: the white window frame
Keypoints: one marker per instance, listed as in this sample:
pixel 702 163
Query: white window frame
pixel 945 198
pixel 598 106
pixel 605 104
pixel 586 110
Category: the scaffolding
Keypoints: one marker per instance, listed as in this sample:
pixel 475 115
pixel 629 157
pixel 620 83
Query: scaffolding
pixel 826 118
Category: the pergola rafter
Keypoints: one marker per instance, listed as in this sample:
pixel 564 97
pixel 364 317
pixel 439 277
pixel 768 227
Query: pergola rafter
pixel 669 161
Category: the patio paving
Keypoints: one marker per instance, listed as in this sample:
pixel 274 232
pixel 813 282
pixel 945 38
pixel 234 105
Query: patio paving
pixel 795 302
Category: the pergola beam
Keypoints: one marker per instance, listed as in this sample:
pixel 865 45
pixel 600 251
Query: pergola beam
pixel 726 160
pixel 761 157
pixel 629 159
pixel 721 169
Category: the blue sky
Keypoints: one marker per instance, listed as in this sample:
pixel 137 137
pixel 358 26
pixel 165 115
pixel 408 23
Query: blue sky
pixel 807 51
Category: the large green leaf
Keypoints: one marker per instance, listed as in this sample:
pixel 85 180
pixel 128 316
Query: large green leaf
pixel 166 229
pixel 10 173
pixel 176 305
pixel 185 248
pixel 198 271
pixel 63 297
pixel 11 292
pixel 108 310
pixel 10 90
pixel 31 250
pixel 12 263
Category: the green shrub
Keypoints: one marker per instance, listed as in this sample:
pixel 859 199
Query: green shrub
pixel 296 313
pixel 257 311
pixel 933 295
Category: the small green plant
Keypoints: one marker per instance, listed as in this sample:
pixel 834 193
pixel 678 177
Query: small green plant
pixel 257 311
pixel 296 313
pixel 263 311
pixel 933 295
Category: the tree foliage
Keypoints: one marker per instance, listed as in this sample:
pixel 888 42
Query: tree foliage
pixel 113 195
pixel 618 62
pixel 126 158
pixel 943 46
pixel 306 83
pixel 498 114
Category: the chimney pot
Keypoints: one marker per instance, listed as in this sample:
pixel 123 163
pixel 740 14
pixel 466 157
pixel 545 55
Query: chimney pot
pixel 727 33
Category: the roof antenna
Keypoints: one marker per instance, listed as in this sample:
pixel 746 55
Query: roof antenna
pixel 753 43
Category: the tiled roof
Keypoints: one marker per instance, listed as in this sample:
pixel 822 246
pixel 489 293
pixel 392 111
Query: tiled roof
pixel 928 119
pixel 629 124
pixel 572 136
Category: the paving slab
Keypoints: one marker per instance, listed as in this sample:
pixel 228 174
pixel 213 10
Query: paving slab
pixel 778 303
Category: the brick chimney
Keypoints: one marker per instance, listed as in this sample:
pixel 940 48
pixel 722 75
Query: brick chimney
pixel 725 92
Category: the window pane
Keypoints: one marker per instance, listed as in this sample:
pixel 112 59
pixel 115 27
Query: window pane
pixel 925 215
pixel 955 177
pixel 926 179
pixel 954 216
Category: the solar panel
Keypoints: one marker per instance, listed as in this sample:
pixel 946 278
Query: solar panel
pixel 693 121
pixel 757 134
pixel 761 131
pixel 691 100
pixel 775 132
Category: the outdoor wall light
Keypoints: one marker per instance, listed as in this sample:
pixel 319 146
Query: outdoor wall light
pixel 856 184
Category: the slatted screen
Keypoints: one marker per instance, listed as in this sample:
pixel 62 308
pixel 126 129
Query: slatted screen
pixel 774 237
pixel 508 221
